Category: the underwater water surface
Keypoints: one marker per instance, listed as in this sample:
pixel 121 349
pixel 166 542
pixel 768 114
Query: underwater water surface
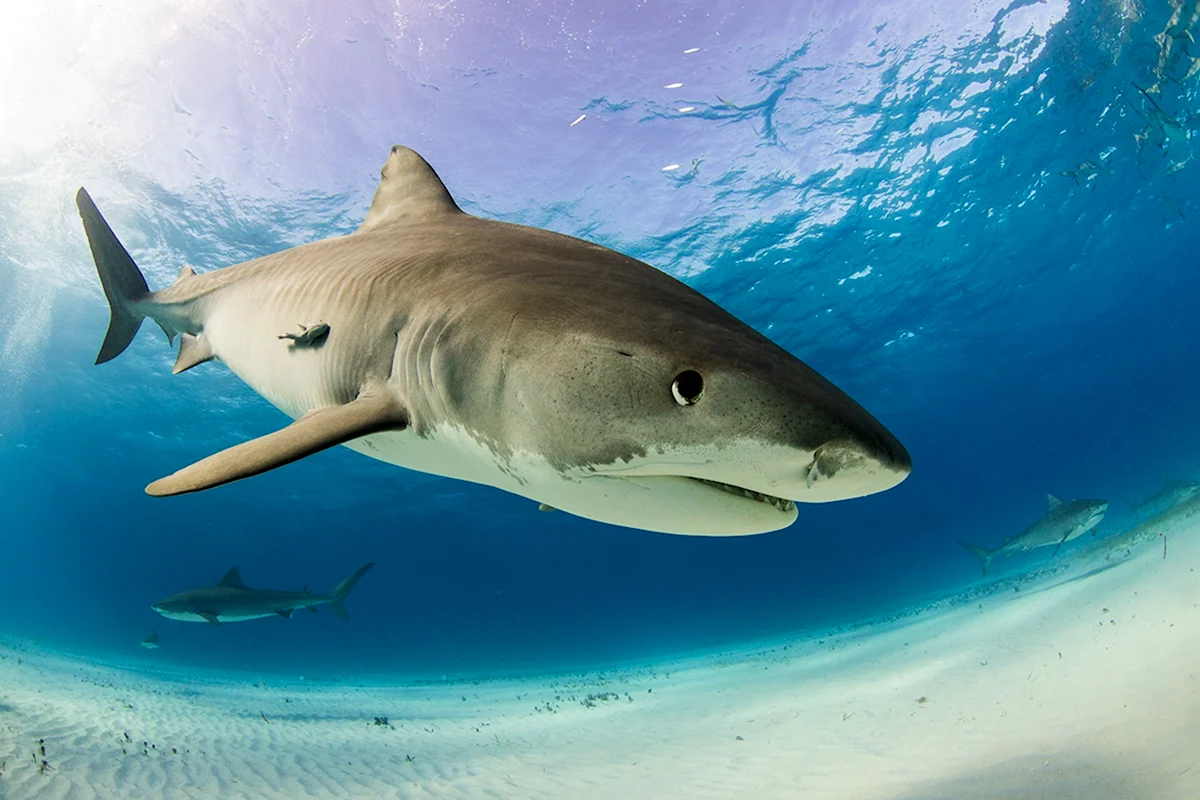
pixel 979 220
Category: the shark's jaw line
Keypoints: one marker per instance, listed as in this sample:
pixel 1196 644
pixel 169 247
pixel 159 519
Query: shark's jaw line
pixel 780 503
pixel 783 504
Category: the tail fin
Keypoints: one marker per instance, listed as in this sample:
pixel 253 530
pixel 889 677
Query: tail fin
pixel 122 280
pixel 983 555
pixel 338 596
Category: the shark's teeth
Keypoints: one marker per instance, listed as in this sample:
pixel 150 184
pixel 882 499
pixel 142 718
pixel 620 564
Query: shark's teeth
pixel 783 505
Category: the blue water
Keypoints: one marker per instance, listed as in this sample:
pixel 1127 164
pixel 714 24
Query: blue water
pixel 878 187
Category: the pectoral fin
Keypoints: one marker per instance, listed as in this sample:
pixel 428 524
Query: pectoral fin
pixel 317 430
pixel 286 613
pixel 209 616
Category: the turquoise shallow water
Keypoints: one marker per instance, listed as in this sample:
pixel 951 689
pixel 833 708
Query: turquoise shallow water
pixel 978 222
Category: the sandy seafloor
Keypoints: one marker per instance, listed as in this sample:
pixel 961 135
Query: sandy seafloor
pixel 1079 681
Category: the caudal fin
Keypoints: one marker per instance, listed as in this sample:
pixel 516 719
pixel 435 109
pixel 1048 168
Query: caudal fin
pixel 983 555
pixel 338 596
pixel 123 282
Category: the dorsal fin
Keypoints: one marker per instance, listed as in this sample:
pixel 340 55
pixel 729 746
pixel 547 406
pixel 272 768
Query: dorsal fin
pixel 185 273
pixel 232 580
pixel 1052 502
pixel 409 190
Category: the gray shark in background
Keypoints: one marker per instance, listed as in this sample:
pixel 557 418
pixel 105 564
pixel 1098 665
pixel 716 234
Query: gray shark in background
pixel 509 356
pixel 233 601
pixel 1062 523
pixel 150 641
pixel 1173 493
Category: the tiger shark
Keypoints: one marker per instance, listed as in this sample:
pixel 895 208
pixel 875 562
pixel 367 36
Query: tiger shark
pixel 1061 523
pixel 510 356
pixel 233 601
pixel 1173 493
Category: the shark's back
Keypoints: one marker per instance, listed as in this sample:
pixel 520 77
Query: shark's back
pixel 1062 523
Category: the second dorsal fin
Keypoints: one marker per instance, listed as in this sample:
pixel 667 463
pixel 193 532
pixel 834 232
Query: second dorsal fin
pixel 409 190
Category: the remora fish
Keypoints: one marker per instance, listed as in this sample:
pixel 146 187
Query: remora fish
pixel 233 601
pixel 509 356
pixel 1173 493
pixel 1061 523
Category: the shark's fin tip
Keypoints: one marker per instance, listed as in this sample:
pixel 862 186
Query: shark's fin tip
pixel 193 351
pixel 409 189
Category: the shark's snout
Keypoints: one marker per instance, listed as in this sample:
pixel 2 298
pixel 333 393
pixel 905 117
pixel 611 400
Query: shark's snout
pixel 846 468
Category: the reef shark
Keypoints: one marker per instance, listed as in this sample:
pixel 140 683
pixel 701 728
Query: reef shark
pixel 1061 523
pixel 509 356
pixel 233 601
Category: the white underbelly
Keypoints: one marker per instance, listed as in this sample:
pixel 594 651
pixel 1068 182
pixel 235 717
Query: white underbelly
pixel 185 616
pixel 293 378
pixel 450 451
pixel 658 503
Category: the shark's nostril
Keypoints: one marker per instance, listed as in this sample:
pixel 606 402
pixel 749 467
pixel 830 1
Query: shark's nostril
pixel 814 473
pixel 837 455
pixel 852 467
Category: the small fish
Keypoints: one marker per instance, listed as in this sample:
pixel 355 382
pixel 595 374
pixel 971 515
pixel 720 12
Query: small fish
pixel 1061 523
pixel 1082 173
pixel 309 336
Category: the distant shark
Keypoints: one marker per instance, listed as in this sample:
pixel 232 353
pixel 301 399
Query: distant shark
pixel 150 641
pixel 1173 493
pixel 514 357
pixel 233 601
pixel 1061 523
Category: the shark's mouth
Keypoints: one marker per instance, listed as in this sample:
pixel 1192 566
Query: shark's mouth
pixel 784 505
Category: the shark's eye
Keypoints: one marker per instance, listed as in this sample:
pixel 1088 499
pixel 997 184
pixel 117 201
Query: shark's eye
pixel 688 388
